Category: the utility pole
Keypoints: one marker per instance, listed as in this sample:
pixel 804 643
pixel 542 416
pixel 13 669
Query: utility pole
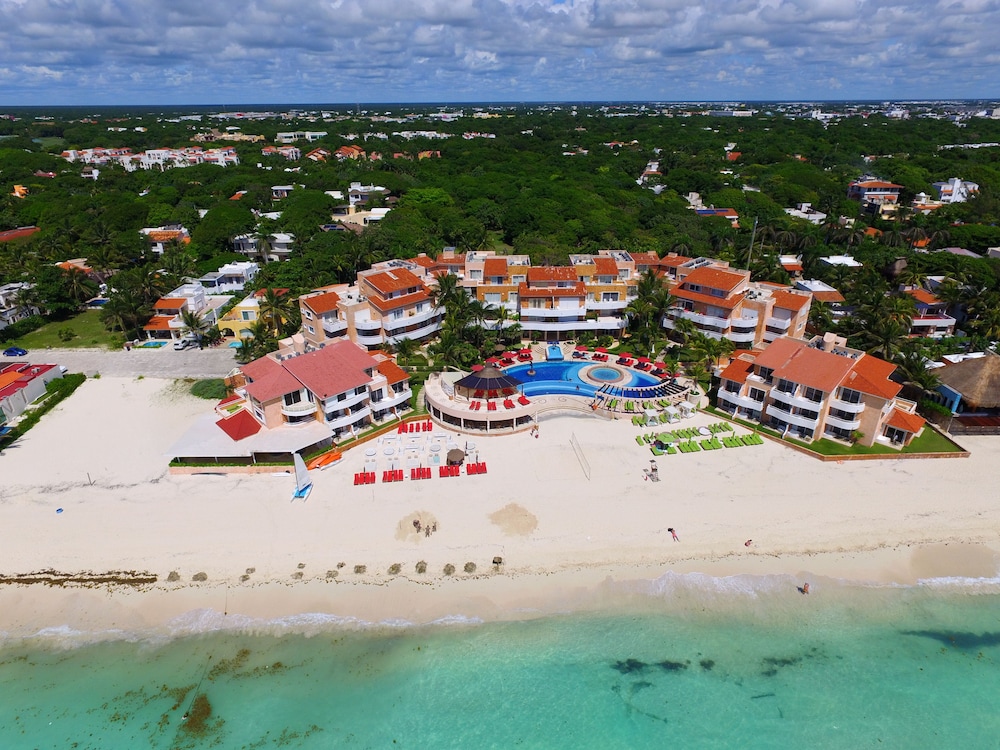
pixel 753 236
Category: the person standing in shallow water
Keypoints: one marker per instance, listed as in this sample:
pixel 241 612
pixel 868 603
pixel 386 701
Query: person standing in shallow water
pixel 673 534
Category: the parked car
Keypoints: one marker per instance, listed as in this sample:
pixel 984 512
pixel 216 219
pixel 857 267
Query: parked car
pixel 14 351
pixel 184 343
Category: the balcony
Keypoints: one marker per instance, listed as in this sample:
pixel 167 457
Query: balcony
pixel 778 324
pixel 408 320
pixel 705 320
pixel 843 424
pixel 795 419
pixel 300 409
pixel 553 312
pixel 744 402
pixel 847 406
pixel 620 304
pixel 371 340
pixel 741 338
pixel 794 399
pixel 601 324
pixel 396 399
pixel 416 333
pixel 348 419
pixel 334 326
pixel 332 404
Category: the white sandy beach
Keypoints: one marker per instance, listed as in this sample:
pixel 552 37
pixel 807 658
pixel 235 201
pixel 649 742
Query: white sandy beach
pixel 101 457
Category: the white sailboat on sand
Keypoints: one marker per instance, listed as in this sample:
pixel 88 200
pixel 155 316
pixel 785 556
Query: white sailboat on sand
pixel 303 484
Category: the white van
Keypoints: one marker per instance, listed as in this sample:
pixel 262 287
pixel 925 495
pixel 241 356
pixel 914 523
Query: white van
pixel 185 343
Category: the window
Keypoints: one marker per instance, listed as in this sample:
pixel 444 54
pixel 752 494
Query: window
pixel 813 395
pixel 851 397
pixel 249 315
pixel 786 386
pixel 307 314
pixel 360 389
pixel 397 314
pixel 757 394
pixel 731 387
pixel 475 275
pixel 517 279
pixel 310 329
pixel 609 297
pixel 293 398
pixel 492 298
pixel 767 374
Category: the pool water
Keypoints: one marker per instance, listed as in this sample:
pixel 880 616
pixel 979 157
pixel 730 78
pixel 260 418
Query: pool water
pixel 554 353
pixel 564 378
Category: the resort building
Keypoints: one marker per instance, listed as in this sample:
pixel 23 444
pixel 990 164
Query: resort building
pixel 871 191
pixel 232 277
pixel 397 305
pixel 956 190
pixel 340 386
pixel 722 302
pixel 819 388
pixel 274 249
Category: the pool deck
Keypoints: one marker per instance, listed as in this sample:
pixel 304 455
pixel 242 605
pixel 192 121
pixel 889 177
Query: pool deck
pixel 454 409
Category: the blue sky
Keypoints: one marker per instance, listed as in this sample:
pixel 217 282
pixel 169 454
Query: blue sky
pixel 273 51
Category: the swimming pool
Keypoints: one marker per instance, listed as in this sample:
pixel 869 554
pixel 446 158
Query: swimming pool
pixel 554 353
pixel 579 379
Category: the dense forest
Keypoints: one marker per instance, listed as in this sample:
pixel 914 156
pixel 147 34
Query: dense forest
pixel 553 181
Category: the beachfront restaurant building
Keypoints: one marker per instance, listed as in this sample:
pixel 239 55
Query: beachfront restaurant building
pixel 819 388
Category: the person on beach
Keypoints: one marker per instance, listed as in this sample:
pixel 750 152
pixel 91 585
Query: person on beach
pixel 748 543
pixel 805 588
pixel 673 534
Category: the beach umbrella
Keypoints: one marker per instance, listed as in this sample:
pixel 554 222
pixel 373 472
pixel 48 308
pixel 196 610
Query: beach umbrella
pixel 509 355
pixel 582 348
pixel 456 456
pixel 492 361
pixel 488 379
pixel 644 360
pixel 478 368
pixel 660 365
pixel 526 350
pixel 601 350
pixel 625 355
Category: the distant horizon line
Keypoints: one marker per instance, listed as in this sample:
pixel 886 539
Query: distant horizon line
pixel 237 106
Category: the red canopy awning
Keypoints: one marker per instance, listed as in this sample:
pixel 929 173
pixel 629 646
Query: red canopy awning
pixel 492 361
pixel 625 355
pixel 645 359
pixel 601 349
pixel 525 351
pixel 660 365
pixel 477 368
pixel 509 355
pixel 582 348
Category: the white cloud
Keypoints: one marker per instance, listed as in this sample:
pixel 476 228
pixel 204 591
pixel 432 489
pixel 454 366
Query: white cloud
pixel 301 50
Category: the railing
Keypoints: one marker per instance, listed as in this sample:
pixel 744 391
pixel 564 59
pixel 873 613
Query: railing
pixel 552 312
pixel 780 323
pixel 743 401
pixel 349 419
pixel 844 424
pixel 795 400
pixel 298 410
pixel 796 419
pixel 409 320
pixel 854 408
pixel 334 326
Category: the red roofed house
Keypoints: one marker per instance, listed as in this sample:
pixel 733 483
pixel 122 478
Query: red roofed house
pixel 870 191
pixel 340 385
pixel 160 238
pixel 820 389
pixel 932 319
pixel 21 384
pixel 323 317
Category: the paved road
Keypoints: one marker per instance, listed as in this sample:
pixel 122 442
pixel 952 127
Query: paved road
pixel 154 363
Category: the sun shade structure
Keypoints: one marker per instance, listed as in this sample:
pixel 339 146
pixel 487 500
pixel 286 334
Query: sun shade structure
pixel 455 456
pixel 977 380
pixel 487 379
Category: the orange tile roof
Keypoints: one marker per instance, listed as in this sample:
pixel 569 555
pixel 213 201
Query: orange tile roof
pixel 579 289
pixel 165 235
pixel 158 323
pixel 833 296
pixel 170 303
pixel 393 372
pixel 268 379
pixel 424 261
pixel 871 375
pixel 648 258
pixel 715 278
pixel 923 297
pixel 905 421
pixel 877 184
pixel 673 260
pixel 387 282
pixel 789 300
pixel 322 303
pixel 16 234
pixel 738 369
pixel 791 265
pixel 551 273
pixel 8 378
pixel 794 360
pixel 495 267
pixel 605 266
pixel 397 302
pixel 726 303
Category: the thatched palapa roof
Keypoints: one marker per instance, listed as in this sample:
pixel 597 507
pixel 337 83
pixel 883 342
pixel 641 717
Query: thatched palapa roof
pixel 978 380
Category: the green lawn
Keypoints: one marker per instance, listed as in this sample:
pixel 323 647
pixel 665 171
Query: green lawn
pixel 89 330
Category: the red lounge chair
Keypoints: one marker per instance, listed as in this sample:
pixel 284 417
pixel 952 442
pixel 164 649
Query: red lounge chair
pixel 428 426
pixel 427 473
pixel 508 404
pixel 490 406
pixel 474 406
pixel 357 479
pixel 479 394
pixel 442 471
pixel 523 400
pixel 482 467
pixel 413 474
pixel 470 469
pixel 371 477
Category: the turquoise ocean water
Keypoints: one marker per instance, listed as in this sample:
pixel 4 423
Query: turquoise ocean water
pixel 684 661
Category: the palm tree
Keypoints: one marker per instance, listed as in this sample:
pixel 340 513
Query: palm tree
pixel 194 325
pixel 884 338
pixel 275 308
pixel 446 291
pixel 820 316
pixel 79 286
pixel 710 350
